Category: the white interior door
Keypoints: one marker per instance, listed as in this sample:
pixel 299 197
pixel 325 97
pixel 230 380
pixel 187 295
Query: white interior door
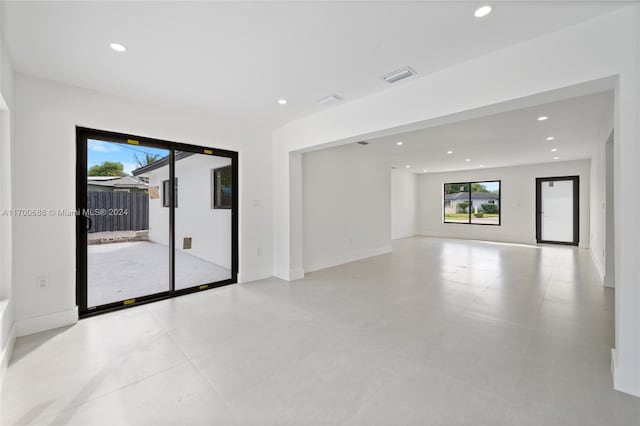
pixel 557 211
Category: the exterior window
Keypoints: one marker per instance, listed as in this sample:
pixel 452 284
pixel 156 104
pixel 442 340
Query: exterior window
pixel 222 189
pixel 165 193
pixel 476 203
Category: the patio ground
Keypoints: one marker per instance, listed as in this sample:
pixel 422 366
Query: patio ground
pixel 120 271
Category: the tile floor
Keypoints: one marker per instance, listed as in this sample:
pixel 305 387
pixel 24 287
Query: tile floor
pixel 440 332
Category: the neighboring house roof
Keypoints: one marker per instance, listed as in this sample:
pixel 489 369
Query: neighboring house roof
pixel 474 195
pixel 164 161
pixel 117 181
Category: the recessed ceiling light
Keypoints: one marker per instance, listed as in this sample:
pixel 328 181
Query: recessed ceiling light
pixel 481 165
pixel 399 143
pixel 542 118
pixel 118 47
pixel 449 152
pixel 407 166
pixel 282 101
pixel 425 170
pixel 483 11
pixel 467 159
pixel 550 138
pixel 554 149
pixel 556 158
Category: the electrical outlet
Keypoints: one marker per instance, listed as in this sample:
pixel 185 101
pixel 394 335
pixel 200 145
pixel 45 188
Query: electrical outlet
pixel 42 281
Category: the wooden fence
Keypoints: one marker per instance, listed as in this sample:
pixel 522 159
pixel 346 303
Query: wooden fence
pixel 118 211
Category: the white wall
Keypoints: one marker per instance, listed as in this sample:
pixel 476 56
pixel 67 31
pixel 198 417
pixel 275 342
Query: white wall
pixel 7 330
pixel 345 199
pixel 45 158
pixel 209 229
pixel 404 203
pixel 518 201
pixel 604 47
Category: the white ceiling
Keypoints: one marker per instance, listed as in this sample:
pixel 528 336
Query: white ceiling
pixel 238 58
pixel 506 139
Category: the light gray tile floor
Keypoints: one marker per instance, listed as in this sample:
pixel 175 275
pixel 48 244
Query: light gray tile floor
pixel 439 332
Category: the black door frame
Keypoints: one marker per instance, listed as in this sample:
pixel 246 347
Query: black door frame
pixel 82 136
pixel 576 209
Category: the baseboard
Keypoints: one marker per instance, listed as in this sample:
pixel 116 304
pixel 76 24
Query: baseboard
pixel 6 353
pixel 599 267
pixel 46 322
pixel 531 242
pixel 348 258
pixel 290 274
pixel 296 274
pixel 405 235
pixel 624 380
pixel 247 278
pixel 608 282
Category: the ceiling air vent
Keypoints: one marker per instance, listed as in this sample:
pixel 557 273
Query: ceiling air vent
pixel 363 143
pixel 399 75
pixel 330 99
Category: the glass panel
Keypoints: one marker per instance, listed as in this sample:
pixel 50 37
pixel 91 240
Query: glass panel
pixel 456 203
pixel 485 203
pixel 557 211
pixel 128 251
pixel 203 219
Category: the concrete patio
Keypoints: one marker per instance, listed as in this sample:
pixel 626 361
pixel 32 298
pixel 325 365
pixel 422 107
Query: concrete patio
pixel 120 271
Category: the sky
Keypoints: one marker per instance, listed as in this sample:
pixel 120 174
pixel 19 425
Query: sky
pixel 100 151
pixel 491 186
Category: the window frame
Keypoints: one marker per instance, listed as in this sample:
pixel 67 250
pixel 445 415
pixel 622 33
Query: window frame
pixel 469 205
pixel 214 189
pixel 165 193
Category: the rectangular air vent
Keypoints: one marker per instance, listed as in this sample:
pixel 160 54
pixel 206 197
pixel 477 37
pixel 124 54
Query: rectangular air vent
pixel 363 143
pixel 330 99
pixel 399 75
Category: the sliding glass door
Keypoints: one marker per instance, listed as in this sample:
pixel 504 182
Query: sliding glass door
pixel 203 219
pixel 155 219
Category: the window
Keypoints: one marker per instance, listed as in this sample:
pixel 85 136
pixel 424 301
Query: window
pixel 476 203
pixel 165 193
pixel 222 189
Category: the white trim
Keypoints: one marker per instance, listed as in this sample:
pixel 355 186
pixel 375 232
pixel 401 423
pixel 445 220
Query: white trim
pixel 598 265
pixel 349 258
pixel 46 322
pixel 6 353
pixel 296 274
pixel 607 282
pixel 494 240
pixel 627 381
pixel 247 278
pixel 404 235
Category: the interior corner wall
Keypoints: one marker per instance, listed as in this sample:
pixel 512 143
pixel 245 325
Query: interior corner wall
pixel 46 114
pixel 404 203
pixel 599 194
pixel 517 201
pixel 7 328
pixel 345 205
